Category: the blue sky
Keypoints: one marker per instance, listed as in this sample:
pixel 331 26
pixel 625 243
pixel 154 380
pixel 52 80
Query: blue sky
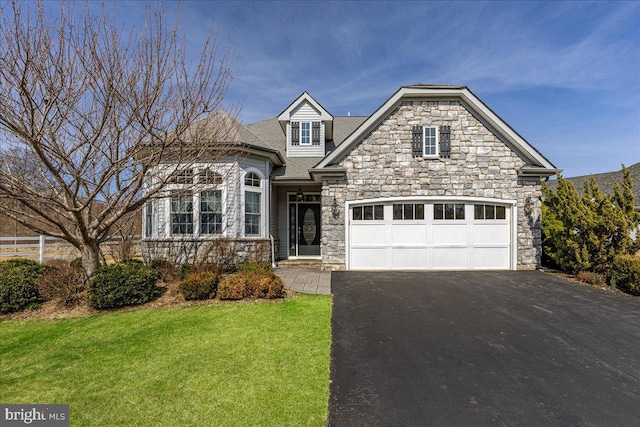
pixel 565 75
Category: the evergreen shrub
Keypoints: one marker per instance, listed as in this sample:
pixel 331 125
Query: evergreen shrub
pixel 123 284
pixel 199 286
pixel 18 288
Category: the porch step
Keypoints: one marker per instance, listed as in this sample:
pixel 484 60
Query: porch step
pixel 300 263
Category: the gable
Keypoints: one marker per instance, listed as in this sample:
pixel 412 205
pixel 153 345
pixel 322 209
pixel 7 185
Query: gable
pixel 534 164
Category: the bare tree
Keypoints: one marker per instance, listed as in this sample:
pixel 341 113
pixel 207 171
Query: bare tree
pixel 90 120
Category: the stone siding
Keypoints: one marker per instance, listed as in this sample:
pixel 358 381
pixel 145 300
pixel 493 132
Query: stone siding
pixel 481 165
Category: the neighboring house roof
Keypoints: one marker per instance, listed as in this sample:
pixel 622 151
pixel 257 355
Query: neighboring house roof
pixel 605 181
pixel 537 164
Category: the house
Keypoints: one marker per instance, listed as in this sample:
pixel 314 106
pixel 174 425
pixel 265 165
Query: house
pixel 433 179
pixel 606 182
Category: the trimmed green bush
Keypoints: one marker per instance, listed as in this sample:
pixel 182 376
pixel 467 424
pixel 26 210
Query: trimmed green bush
pixel 17 262
pixel 124 284
pixel 199 286
pixel 233 287
pixel 255 267
pixel 625 273
pixel 276 288
pixel 18 289
pixel 264 285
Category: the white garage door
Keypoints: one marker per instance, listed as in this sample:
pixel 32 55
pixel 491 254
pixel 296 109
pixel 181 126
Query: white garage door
pixel 425 235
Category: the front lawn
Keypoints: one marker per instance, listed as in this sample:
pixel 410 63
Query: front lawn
pixel 263 363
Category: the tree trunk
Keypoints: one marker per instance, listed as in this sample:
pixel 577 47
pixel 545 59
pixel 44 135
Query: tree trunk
pixel 90 257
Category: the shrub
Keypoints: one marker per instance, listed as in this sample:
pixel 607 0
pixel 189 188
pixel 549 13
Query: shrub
pixel 276 288
pixel 199 286
pixel 17 262
pixel 625 273
pixel 186 269
pixel 264 285
pixel 166 270
pixel 257 284
pixel 76 262
pixel 18 289
pixel 592 278
pixel 61 281
pixel 233 287
pixel 255 267
pixel 119 285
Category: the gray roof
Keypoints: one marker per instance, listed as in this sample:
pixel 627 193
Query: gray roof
pixel 605 181
pixel 269 132
pixel 223 126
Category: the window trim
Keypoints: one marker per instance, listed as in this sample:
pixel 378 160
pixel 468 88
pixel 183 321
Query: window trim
pixel 217 230
pixel 248 188
pixel 436 137
pixel 148 219
pixel 302 133
pixel 178 195
pixel 258 215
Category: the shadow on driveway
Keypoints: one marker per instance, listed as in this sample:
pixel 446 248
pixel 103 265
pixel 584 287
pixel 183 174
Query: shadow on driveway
pixel 481 348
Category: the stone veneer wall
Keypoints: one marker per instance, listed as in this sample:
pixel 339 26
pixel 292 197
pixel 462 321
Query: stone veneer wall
pixel 480 166
pixel 190 250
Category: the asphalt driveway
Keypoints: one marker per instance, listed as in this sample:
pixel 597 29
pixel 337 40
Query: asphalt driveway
pixel 481 348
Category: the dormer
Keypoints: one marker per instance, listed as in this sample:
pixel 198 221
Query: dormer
pixel 307 126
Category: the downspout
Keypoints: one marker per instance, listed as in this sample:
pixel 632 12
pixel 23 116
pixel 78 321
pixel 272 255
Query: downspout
pixel 273 251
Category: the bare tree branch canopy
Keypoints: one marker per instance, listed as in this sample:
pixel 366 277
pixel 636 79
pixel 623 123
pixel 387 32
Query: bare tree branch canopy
pixel 90 118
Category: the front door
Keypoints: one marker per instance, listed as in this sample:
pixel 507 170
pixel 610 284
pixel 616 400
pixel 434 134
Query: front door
pixel 304 229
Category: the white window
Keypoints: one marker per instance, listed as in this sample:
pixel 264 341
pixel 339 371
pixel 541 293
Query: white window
pixel 368 213
pixel 181 177
pixel 489 212
pixel 252 214
pixel 443 211
pixel 211 212
pixel 408 211
pixel 252 204
pixel 430 141
pixel 182 214
pixel 148 219
pixel 305 133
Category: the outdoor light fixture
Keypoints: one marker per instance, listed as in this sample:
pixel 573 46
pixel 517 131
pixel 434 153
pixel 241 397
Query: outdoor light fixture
pixel 299 195
pixel 335 209
pixel 529 205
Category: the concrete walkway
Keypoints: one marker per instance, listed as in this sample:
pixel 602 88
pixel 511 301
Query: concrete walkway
pixel 306 280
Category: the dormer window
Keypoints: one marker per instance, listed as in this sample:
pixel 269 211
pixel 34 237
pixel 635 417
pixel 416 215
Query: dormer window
pixel 305 133
pixel 307 126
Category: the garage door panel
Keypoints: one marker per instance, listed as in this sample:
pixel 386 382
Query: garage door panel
pixel 369 258
pixel 365 234
pixel 490 233
pixel 491 258
pixel 411 234
pixel 449 258
pixel 449 234
pixel 408 258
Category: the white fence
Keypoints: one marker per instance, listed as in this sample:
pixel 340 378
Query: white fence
pixel 42 248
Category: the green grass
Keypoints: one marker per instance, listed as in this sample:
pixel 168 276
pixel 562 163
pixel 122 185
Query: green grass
pixel 240 364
